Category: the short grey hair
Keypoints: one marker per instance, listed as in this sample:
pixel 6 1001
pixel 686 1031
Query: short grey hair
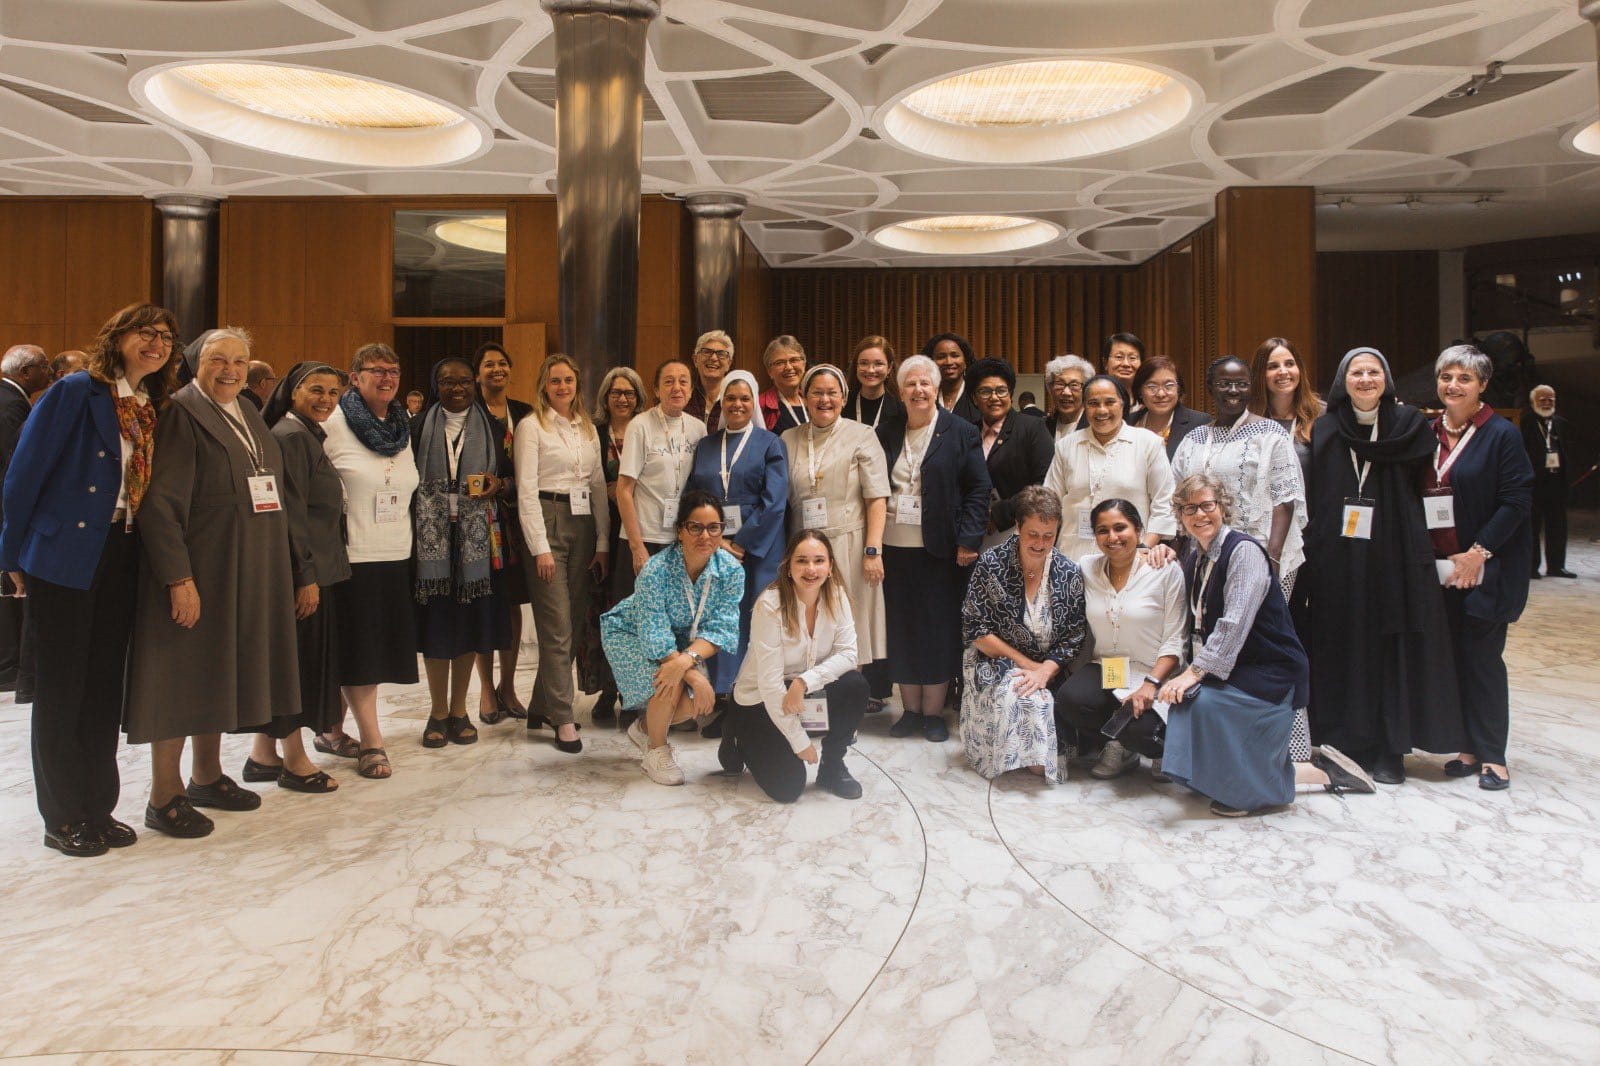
pixel 1468 358
pixel 222 333
pixel 714 335
pixel 915 363
pixel 19 357
pixel 1195 483
pixel 1063 363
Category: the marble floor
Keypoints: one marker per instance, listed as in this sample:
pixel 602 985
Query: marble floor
pixel 506 903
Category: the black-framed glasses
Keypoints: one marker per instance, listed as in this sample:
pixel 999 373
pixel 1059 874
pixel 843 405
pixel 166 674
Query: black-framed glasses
pixel 1066 386
pixel 622 394
pixel 998 392
pixel 708 529
pixel 713 353
pixel 150 333
pixel 1189 510
pixel 383 373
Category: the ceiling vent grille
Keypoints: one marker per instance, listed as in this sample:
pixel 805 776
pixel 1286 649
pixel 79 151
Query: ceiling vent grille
pixel 778 97
pixel 1311 96
pixel 1508 86
pixel 71 105
pixel 542 87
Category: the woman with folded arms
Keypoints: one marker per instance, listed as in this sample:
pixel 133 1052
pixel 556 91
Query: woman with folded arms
pixel 495 702
pixel 74 486
pixel 560 485
pixel 620 397
pixel 1158 387
pixel 656 456
pixel 214 639
pixel 1022 623
pixel 1231 712
pixel 871 373
pixel 684 610
pixel 802 644
pixel 1485 553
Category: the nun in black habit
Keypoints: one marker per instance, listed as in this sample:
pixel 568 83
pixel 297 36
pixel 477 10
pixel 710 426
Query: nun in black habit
pixel 1382 677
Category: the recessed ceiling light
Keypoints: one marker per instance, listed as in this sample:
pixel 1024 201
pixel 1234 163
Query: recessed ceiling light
pixel 314 114
pixel 961 235
pixel 1588 140
pixel 486 234
pixel 1040 93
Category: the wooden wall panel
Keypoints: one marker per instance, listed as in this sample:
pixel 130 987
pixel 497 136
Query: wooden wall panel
pixel 665 254
pixel 527 342
pixel 348 262
pixel 1266 268
pixel 262 266
pixel 532 273
pixel 1385 300
pixel 753 328
pixel 33 268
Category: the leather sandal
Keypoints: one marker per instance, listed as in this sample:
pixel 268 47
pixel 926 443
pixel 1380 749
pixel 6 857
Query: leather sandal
pixel 373 763
pixel 224 794
pixel 257 772
pixel 178 818
pixel 313 783
pixel 460 730
pixel 345 747
pixel 436 734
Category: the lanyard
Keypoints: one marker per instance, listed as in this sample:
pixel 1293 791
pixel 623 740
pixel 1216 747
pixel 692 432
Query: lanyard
pixel 1547 426
pixel 245 435
pixel 1097 478
pixel 574 445
pixel 914 459
pixel 452 449
pixel 1362 469
pixel 699 609
pixel 677 449
pixel 877 415
pixel 1198 604
pixel 951 406
pixel 800 418
pixel 727 467
pixel 1114 602
pixel 1441 469
pixel 811 455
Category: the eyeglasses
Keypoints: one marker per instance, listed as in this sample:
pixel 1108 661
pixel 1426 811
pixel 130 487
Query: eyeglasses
pixel 622 394
pixel 998 392
pixel 712 353
pixel 1066 386
pixel 455 383
pixel 383 373
pixel 150 333
pixel 1153 389
pixel 710 529
pixel 1189 510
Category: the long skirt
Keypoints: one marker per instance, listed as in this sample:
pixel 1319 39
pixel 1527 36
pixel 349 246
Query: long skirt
pixel 866 601
pixel 317 641
pixel 922 595
pixel 1231 746
pixel 377 625
pixel 1000 730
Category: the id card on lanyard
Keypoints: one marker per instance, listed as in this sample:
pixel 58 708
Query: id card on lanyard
pixel 1439 505
pixel 1552 458
pixel 1355 521
pixel 262 484
pixel 908 504
pixel 813 708
pixel 730 512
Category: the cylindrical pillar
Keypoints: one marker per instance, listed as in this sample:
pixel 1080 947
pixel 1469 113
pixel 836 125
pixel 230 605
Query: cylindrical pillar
pixel 599 139
pixel 716 259
pixel 1590 9
pixel 189 261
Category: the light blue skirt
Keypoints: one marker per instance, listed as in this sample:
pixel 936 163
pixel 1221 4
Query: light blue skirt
pixel 1232 747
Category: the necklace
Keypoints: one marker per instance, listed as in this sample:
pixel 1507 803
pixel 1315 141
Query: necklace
pixel 1456 431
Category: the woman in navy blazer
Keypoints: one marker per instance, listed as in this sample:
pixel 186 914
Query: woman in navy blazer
pixel 938 510
pixel 1485 556
pixel 74 484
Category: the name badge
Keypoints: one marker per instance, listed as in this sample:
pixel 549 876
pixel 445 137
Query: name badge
pixel 579 501
pixel 1439 511
pixel 1114 671
pixel 1357 520
pixel 264 494
pixel 814 512
pixel 455 505
pixel 814 714
pixel 730 519
pixel 908 510
pixel 1085 523
pixel 669 514
pixel 388 508
pixel 1552 461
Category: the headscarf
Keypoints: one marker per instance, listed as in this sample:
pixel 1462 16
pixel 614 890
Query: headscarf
pixel 457 561
pixel 820 368
pixel 191 357
pixel 1338 393
pixel 281 402
pixel 749 379
pixel 1402 435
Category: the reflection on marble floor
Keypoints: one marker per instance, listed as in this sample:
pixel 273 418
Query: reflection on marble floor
pixel 505 903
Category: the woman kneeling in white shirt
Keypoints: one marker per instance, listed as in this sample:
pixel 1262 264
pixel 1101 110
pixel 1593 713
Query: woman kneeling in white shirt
pixel 802 645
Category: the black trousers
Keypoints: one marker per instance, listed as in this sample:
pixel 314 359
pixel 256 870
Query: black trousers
pixel 1480 648
pixel 1550 516
pixel 766 752
pixel 10 639
pixel 1082 707
pixel 77 707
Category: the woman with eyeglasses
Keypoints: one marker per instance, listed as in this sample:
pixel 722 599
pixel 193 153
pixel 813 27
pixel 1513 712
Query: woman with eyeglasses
pixel 72 490
pixel 1158 388
pixel 492 364
pixel 369 443
pixel 1064 377
pixel 871 373
pixel 1120 357
pixel 619 398
pixel 1017 449
pixel 713 359
pixel 683 611
pixel 1232 710
pixel 781 405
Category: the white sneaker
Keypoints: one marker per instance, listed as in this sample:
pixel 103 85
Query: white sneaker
pixel 637 734
pixel 1156 775
pixel 661 767
pixel 1115 760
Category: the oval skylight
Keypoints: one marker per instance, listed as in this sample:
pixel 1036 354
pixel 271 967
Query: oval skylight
pixel 486 234
pixel 313 114
pixel 962 235
pixel 1039 111
pixel 1587 140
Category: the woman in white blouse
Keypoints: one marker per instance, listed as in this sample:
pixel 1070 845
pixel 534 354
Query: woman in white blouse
pixel 802 659
pixel 656 457
pixel 1109 459
pixel 1139 617
pixel 560 482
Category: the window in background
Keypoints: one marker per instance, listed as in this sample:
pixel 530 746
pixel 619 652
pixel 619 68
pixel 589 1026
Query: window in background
pixel 450 264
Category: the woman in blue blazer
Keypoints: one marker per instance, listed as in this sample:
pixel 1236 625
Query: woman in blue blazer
pixel 73 487
pixel 938 510
pixel 1482 481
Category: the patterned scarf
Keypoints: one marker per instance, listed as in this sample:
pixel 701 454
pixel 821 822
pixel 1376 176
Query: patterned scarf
pixel 453 560
pixel 388 437
pixel 137 423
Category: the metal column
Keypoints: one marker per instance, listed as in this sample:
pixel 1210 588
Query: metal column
pixel 716 260
pixel 189 261
pixel 1590 9
pixel 600 48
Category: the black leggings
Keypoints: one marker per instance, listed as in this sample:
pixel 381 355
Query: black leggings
pixel 766 752
pixel 1082 706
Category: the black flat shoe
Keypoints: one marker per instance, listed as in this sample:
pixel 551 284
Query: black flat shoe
pixel 1457 768
pixel 688 725
pixel 1389 770
pixel 461 731
pixel 1535 576
pixel 712 730
pixel 224 794
pixel 728 755
pixel 835 777
pixel 256 772
pixel 1560 573
pixel 934 728
pixel 117 835
pixel 908 723
pixel 436 734
pixel 312 784
pixel 178 819
pixel 1490 781
pixel 80 840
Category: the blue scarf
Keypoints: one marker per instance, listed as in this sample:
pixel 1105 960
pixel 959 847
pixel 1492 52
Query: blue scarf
pixel 387 437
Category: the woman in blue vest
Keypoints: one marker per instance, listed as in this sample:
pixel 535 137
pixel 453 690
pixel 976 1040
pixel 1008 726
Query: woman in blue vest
pixel 1232 710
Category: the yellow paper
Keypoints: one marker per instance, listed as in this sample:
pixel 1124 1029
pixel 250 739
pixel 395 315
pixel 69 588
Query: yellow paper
pixel 1114 671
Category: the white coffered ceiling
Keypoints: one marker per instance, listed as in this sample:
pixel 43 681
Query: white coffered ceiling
pixel 786 101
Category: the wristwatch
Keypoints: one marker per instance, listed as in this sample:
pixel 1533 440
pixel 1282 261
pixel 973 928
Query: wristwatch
pixel 696 659
pixel 1152 682
pixel 872 553
pixel 1481 550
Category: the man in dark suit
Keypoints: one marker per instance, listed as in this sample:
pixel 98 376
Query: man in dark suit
pixel 24 371
pixel 1028 404
pixel 259 382
pixel 1544 436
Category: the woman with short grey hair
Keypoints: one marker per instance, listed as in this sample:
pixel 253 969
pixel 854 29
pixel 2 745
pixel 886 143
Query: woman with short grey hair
pixel 1064 378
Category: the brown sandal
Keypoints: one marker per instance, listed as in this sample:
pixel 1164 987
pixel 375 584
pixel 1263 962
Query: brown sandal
pixel 345 747
pixel 373 763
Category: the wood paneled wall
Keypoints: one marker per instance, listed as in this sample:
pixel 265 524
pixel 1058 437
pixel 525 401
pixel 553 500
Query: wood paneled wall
pixel 1266 280
pixel 1384 300
pixel 66 265
pixel 753 329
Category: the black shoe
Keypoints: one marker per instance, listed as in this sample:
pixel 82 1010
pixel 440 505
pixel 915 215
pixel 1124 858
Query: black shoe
pixel 1344 775
pixel 460 730
pixel 876 706
pixel 713 729
pixel 315 783
pixel 571 747
pixel 494 715
pixel 728 755
pixel 224 794
pixel 256 772
pixel 436 734
pixel 934 729
pixel 1560 573
pixel 538 721
pixel 23 697
pixel 80 840
pixel 908 723
pixel 835 777
pixel 117 835
pixel 1535 576
pixel 178 819
pixel 1490 781
pixel 626 719
pixel 1389 770
pixel 605 709
pixel 1457 768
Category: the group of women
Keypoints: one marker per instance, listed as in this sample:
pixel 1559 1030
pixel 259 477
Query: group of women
pixel 770 562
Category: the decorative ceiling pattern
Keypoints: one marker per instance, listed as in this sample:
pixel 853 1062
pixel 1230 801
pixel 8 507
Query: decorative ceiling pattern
pixel 785 101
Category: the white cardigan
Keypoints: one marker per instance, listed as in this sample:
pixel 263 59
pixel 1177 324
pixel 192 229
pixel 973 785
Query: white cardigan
pixel 774 655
